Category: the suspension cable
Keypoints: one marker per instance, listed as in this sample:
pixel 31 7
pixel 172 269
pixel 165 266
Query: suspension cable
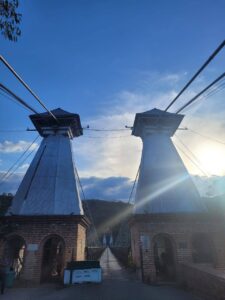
pixel 26 86
pixel 195 161
pixel 202 92
pixel 13 130
pixel 17 98
pixel 12 99
pixel 78 177
pixel 109 137
pixel 5 175
pixel 123 224
pixel 219 87
pixel 206 137
pixel 99 129
pixel 211 57
pixel 86 202
pixel 134 184
pixel 18 166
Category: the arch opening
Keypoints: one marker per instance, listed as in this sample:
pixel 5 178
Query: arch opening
pixel 202 248
pixel 52 259
pixel 164 259
pixel 14 254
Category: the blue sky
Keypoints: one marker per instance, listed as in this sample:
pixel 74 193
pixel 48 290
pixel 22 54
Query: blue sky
pixel 107 60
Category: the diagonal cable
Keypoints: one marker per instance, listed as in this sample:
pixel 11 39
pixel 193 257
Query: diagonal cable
pixel 26 86
pixel 5 175
pixel 195 161
pixel 211 57
pixel 206 137
pixel 200 93
pixel 134 184
pixel 19 165
pixel 17 98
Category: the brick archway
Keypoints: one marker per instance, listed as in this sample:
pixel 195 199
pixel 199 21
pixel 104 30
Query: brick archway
pixel 52 258
pixel 165 258
pixel 14 253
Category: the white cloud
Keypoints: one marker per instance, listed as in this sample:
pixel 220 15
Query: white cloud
pixel 118 188
pixel 24 167
pixel 118 153
pixel 112 156
pixel 10 184
pixel 14 147
pixel 171 78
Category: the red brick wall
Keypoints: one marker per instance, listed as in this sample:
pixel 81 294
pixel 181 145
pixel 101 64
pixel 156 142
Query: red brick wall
pixel 180 230
pixel 135 245
pixel 204 281
pixel 37 230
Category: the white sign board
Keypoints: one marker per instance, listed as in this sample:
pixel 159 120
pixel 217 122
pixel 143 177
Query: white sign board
pixel 66 278
pixel 32 247
pixel 87 275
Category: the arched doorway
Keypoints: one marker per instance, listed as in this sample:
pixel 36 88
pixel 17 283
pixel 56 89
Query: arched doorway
pixel 164 258
pixel 202 248
pixel 14 253
pixel 52 259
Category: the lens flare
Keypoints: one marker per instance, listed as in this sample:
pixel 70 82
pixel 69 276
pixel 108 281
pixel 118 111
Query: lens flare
pixel 212 158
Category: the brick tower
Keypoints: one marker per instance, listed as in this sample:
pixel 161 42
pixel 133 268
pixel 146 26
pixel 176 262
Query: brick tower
pixel 49 225
pixel 170 224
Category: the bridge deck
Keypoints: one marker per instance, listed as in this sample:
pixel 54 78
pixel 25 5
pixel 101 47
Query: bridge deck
pixel 111 267
pixel 118 284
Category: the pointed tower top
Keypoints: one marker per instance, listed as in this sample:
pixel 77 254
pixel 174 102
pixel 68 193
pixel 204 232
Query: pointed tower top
pixel 67 123
pixel 156 120
pixel 156 111
pixel 50 186
pixel 164 185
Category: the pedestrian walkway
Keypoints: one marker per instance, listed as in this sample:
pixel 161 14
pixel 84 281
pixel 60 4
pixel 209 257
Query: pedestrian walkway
pixel 118 284
pixel 111 268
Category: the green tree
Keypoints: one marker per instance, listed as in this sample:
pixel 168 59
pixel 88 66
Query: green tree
pixel 10 19
pixel 5 227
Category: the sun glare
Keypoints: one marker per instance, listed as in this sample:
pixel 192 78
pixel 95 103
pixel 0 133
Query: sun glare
pixel 212 158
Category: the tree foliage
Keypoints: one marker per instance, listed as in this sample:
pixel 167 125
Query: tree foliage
pixel 5 227
pixel 5 203
pixel 10 19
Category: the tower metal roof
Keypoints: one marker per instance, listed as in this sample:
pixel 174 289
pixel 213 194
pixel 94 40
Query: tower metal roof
pixel 49 186
pixel 156 119
pixel 70 121
pixel 164 184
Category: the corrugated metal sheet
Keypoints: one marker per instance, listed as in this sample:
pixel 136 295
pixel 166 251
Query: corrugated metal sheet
pixel 49 186
pixel 164 184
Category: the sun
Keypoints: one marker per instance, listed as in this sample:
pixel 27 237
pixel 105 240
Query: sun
pixel 212 158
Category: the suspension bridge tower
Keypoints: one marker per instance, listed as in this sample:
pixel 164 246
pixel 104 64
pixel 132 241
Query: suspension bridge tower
pixel 168 212
pixel 47 210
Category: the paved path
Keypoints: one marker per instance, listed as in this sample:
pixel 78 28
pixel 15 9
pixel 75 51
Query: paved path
pixel 111 269
pixel 117 285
